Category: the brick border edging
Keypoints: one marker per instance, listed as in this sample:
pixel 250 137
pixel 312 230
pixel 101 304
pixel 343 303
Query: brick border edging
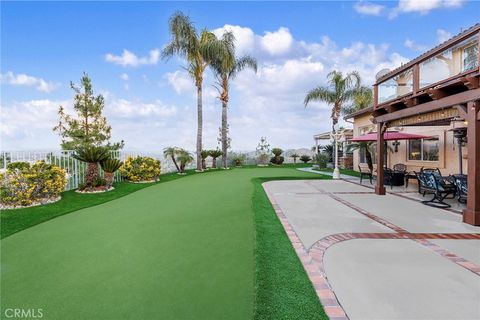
pixel 313 268
pixel 312 259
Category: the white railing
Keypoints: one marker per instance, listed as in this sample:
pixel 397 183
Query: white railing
pixel 75 169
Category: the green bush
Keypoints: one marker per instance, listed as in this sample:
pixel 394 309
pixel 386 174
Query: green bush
pixel 24 185
pixel 322 159
pixel 277 158
pixel 18 165
pixel 140 169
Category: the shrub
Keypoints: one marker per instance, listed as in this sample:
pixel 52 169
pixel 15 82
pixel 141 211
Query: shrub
pixel 140 169
pixel 92 155
pixel 322 159
pixel 305 158
pixel 277 158
pixel 204 154
pixel 238 159
pixel 184 157
pixel 215 154
pixel 23 185
pixel 109 166
pixel 18 165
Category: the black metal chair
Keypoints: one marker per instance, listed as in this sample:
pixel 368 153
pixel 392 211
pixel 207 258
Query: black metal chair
pixel 460 182
pixel 400 167
pixel 365 172
pixel 430 183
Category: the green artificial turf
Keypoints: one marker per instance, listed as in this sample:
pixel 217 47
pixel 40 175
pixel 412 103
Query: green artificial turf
pixel 178 250
pixel 19 219
pixel 283 290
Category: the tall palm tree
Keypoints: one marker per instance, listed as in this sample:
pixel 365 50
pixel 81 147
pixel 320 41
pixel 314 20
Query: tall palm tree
pixel 340 90
pixel 362 98
pixel 226 67
pixel 198 49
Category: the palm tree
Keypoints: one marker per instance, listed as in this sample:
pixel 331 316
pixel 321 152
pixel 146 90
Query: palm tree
pixel 295 156
pixel 340 90
pixel 205 154
pixel 184 157
pixel 171 152
pixel 226 67
pixel 366 146
pixel 92 155
pixel 362 98
pixel 198 50
pixel 215 154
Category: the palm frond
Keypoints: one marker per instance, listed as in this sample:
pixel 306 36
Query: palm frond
pixel 320 94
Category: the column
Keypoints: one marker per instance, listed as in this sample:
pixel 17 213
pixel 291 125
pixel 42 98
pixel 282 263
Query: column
pixel 471 214
pixel 380 188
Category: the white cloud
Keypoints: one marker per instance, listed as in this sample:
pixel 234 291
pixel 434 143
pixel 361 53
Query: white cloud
pixel 267 103
pixel 130 109
pixel 180 81
pixel 244 37
pixel 124 76
pixel 128 58
pixel 424 6
pixel 412 45
pixel 21 79
pixel 368 8
pixel 443 35
pixel 277 42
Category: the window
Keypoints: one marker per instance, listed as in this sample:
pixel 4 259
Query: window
pixel 460 58
pixel 373 152
pixel 423 149
pixel 470 59
pixel 395 87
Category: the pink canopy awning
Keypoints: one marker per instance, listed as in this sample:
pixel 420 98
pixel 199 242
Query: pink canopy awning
pixel 389 135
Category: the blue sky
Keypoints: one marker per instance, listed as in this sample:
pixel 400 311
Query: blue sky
pixel 151 102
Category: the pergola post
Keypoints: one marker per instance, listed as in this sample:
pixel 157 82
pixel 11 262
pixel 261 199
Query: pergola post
pixel 380 188
pixel 471 214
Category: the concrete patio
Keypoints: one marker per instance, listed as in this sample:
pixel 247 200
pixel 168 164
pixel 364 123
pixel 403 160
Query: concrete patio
pixel 380 257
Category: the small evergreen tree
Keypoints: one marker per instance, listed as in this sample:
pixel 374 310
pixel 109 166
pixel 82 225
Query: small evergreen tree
pixel 88 127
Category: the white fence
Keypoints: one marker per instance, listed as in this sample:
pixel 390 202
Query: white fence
pixel 75 169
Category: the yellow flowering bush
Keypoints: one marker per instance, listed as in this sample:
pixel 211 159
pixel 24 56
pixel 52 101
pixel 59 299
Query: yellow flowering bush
pixel 139 169
pixel 24 184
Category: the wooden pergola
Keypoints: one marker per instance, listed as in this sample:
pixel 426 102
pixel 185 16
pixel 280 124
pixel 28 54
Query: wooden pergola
pixel 436 88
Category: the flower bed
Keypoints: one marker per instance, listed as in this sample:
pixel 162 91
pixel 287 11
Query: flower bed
pixel 23 185
pixel 140 169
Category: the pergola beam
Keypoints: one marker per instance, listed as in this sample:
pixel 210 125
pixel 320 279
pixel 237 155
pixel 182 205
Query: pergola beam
pixel 456 99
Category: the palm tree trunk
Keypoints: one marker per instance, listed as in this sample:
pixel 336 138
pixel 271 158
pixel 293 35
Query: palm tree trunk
pixel 199 127
pixel 175 162
pixel 214 163
pixel 224 134
pixel 368 157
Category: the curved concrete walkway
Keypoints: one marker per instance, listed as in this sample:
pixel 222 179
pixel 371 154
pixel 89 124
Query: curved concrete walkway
pixel 396 248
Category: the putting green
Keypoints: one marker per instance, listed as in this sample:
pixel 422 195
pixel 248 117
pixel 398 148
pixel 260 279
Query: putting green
pixel 177 250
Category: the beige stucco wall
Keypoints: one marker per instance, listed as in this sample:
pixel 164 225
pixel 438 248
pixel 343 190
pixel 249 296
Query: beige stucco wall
pixel 448 149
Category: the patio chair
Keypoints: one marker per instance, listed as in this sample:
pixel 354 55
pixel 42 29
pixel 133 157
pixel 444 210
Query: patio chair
pixel 430 183
pixel 400 167
pixel 365 172
pixel 460 182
